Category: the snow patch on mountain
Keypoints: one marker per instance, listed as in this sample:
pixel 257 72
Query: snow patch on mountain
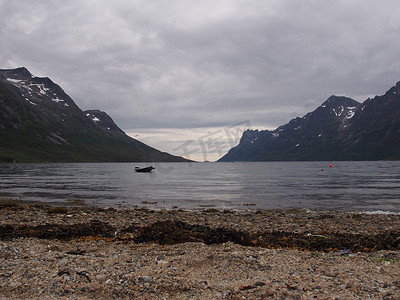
pixel 42 89
pixel 351 112
pixel 56 99
pixel 339 111
pixel 93 117
pixel 298 127
pixel 15 80
pixel 30 102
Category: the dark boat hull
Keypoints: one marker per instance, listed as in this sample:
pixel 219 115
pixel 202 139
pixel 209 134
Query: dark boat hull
pixel 144 170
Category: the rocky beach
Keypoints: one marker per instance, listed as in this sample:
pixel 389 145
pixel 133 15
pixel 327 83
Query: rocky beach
pixel 82 252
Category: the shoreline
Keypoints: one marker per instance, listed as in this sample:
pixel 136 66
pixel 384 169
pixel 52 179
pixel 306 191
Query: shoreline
pixel 89 252
pixel 152 206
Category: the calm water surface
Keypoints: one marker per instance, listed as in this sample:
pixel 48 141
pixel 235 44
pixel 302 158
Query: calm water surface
pixel 369 186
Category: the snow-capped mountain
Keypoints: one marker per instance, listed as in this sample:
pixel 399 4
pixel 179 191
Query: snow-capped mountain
pixel 340 129
pixel 40 122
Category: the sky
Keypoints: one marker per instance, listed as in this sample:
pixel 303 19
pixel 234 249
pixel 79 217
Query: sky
pixel 188 77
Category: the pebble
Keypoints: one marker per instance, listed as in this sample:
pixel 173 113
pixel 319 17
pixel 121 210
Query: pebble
pixel 101 278
pixel 145 279
pixel 161 257
pixel 67 277
pixel 162 263
pixel 104 269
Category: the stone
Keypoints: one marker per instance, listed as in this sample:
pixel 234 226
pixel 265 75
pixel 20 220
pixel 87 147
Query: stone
pixel 101 278
pixel 161 257
pixel 145 279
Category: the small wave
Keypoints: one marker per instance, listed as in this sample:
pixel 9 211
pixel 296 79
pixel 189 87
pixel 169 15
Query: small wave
pixel 379 212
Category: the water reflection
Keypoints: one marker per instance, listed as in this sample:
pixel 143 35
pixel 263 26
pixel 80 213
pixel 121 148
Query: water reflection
pixel 347 185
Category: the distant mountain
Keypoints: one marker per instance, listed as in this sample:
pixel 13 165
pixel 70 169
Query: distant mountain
pixel 340 129
pixel 39 122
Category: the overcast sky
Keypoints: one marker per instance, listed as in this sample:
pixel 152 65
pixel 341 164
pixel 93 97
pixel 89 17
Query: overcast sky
pixel 181 74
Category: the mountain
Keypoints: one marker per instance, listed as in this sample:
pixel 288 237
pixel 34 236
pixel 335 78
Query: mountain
pixel 39 122
pixel 340 129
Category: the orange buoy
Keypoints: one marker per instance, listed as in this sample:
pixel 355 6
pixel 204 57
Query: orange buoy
pixel 330 166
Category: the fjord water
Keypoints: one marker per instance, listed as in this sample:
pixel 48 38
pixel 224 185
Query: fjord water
pixel 352 186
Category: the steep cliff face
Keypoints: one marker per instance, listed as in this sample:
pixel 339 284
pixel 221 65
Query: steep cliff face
pixel 40 122
pixel 340 129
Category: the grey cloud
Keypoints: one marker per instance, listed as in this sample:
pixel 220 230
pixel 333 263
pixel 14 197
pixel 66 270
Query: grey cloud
pixel 188 64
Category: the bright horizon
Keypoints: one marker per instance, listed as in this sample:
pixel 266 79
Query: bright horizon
pixel 198 144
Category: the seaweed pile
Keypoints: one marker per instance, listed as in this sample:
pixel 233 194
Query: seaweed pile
pixel 176 231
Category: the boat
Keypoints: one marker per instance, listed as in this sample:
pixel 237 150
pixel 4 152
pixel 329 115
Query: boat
pixel 144 170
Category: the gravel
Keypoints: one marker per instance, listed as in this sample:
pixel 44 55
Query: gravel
pixel 88 265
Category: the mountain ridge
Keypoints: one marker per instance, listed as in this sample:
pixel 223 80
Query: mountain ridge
pixel 339 129
pixel 39 122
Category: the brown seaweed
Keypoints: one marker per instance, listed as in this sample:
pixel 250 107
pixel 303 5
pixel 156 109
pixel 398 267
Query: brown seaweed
pixel 175 232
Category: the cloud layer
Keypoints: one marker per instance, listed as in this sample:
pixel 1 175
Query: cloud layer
pixel 194 64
